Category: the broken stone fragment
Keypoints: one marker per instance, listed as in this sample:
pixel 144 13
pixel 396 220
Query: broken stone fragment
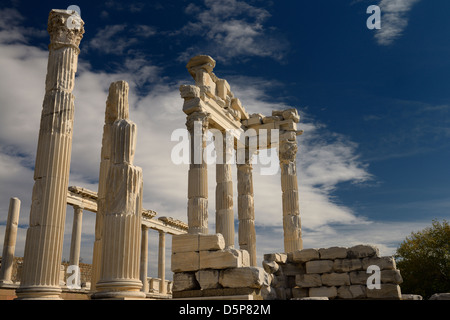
pixel 251 277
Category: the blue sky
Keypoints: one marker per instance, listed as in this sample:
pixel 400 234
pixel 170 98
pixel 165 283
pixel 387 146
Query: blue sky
pixel 374 105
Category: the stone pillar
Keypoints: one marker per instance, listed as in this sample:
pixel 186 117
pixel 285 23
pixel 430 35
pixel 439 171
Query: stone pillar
pixel 246 209
pixel 144 258
pixel 76 236
pixel 289 188
pixel 44 241
pixel 224 191
pixel 9 243
pixel 197 125
pixel 116 108
pixel 162 262
pixel 121 240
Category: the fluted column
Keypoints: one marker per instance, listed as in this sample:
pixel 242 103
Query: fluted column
pixel 116 108
pixel 144 258
pixel 121 241
pixel 289 188
pixel 162 262
pixel 44 242
pixel 197 125
pixel 9 243
pixel 246 209
pixel 75 243
pixel 224 190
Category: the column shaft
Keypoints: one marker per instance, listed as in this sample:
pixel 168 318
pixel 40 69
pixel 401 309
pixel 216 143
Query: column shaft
pixel 121 239
pixel 116 108
pixel 197 125
pixel 9 243
pixel 246 210
pixel 224 192
pixel 162 262
pixel 43 248
pixel 75 243
pixel 289 188
pixel 144 258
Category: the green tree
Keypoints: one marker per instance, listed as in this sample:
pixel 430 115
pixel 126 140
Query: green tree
pixel 424 260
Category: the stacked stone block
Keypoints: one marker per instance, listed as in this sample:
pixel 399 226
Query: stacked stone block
pixel 203 267
pixel 334 273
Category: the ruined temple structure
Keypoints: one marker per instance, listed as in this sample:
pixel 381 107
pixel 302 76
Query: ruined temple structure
pixel 205 264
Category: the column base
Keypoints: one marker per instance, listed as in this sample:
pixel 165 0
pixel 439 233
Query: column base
pixel 39 293
pixel 119 290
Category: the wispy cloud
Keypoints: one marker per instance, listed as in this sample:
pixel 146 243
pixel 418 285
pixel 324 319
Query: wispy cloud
pixel 232 29
pixel 118 39
pixel 394 20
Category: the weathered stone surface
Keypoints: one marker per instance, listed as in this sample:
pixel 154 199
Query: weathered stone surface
pixel 185 261
pixel 305 255
pixel 391 276
pixel 358 277
pixel 268 292
pixel 298 292
pixel 385 263
pixel 319 266
pixel 346 265
pixel 411 297
pixel 270 266
pixel 308 280
pixel 387 291
pixel 208 279
pixel 335 279
pixel 221 259
pixel 333 253
pixel 250 277
pixel 184 281
pixel 185 243
pixel 277 257
pixel 362 251
pixel 291 114
pixel 440 296
pixel 329 292
pixel 351 292
pixel 211 242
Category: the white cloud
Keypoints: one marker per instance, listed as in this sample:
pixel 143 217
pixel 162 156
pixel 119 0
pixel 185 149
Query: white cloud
pixel 232 29
pixel 394 19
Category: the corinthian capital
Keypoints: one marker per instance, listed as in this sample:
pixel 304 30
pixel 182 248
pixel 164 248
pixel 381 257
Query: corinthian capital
pixel 65 28
pixel 287 151
pixel 202 117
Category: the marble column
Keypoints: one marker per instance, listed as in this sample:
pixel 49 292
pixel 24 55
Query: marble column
pixel 197 125
pixel 121 241
pixel 289 188
pixel 162 262
pixel 144 258
pixel 246 209
pixel 116 108
pixel 45 235
pixel 224 190
pixel 75 243
pixel 9 243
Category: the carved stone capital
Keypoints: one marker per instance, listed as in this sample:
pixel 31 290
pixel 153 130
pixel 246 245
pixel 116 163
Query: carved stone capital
pixel 65 28
pixel 287 151
pixel 202 117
